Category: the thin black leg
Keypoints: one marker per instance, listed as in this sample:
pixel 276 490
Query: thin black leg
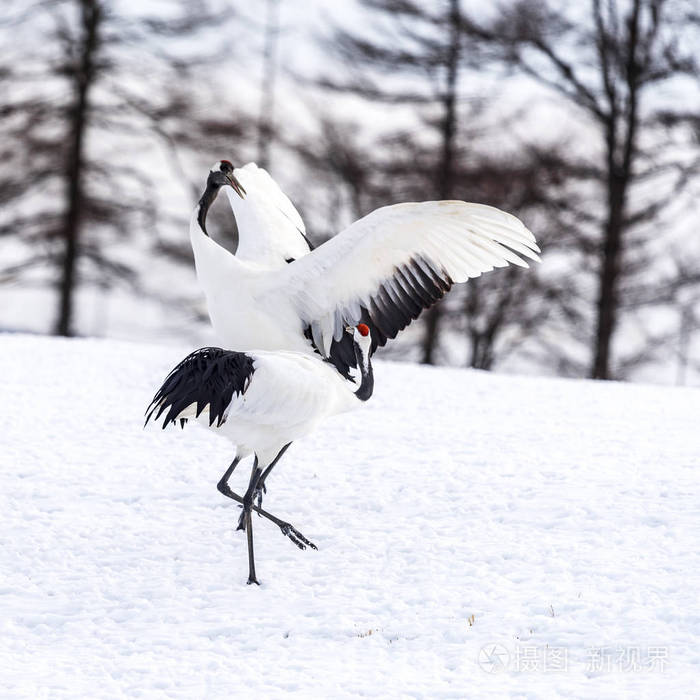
pixel 287 529
pixel 251 555
pixel 248 496
pixel 261 482
pixel 246 521
pixel 223 481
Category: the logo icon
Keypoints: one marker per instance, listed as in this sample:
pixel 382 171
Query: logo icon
pixel 493 658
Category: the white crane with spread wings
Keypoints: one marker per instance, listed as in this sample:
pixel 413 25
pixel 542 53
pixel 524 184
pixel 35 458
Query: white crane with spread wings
pixel 382 270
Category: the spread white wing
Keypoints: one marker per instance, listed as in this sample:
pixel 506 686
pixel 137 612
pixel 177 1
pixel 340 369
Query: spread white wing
pixel 270 229
pixel 390 265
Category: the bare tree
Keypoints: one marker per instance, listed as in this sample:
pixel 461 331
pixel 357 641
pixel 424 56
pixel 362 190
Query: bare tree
pixel 413 55
pixel 499 313
pixel 267 100
pixel 72 111
pixel 611 64
pixel 84 46
pixel 425 44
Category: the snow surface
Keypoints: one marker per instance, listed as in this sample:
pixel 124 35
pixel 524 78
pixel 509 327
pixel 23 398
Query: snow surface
pixel 559 517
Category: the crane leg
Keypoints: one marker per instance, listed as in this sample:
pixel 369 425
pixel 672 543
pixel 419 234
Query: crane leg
pixel 246 521
pixel 288 530
pixel 223 481
pixel 251 556
pixel 260 489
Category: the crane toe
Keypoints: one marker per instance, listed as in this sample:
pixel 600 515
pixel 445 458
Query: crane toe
pixel 242 521
pixel 258 495
pixel 296 537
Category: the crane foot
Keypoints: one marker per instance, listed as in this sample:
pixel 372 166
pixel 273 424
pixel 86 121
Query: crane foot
pixel 258 495
pixel 241 521
pixel 296 536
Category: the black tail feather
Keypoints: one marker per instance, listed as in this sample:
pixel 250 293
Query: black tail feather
pixel 206 377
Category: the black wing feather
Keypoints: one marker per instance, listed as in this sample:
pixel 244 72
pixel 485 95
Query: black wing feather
pixel 415 286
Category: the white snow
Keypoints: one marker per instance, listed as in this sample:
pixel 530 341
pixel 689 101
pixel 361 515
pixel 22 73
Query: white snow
pixel 561 515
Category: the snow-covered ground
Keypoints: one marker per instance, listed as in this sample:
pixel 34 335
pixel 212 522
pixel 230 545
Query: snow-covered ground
pixel 479 536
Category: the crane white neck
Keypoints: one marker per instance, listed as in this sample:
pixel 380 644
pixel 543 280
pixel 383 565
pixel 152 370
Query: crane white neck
pixel 213 263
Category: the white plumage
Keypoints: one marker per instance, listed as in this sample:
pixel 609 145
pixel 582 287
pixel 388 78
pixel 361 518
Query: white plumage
pixel 277 302
pixel 384 269
pixel 289 394
pixel 270 230
pixel 261 401
pixel 449 238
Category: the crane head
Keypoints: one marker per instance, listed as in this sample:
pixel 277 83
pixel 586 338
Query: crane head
pixel 221 174
pixel 361 336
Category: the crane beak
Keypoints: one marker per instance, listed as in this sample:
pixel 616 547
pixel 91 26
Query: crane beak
pixel 349 329
pixel 240 190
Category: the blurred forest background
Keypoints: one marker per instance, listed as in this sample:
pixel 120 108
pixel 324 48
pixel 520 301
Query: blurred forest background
pixel 581 118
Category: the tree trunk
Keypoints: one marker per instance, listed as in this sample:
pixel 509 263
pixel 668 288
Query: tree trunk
pixel 78 115
pixel 446 170
pixel 609 273
pixel 267 100
pixel 619 166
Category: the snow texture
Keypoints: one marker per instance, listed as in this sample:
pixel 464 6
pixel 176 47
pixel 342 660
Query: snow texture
pixel 479 536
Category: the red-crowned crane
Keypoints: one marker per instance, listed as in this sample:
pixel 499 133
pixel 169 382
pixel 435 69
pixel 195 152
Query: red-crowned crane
pixel 278 294
pixel 382 270
pixel 261 401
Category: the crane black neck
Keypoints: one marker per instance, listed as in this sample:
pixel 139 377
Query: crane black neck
pixel 364 362
pixel 205 201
